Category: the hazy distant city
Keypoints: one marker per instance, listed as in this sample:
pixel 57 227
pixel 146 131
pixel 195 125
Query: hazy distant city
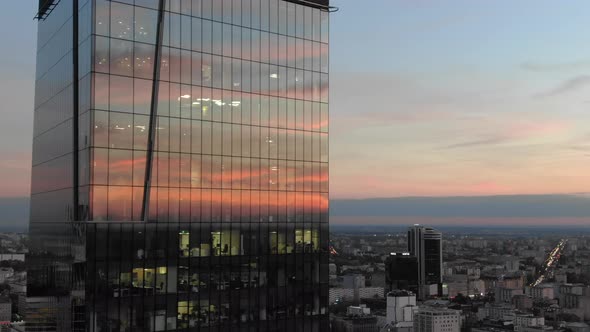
pixel 492 279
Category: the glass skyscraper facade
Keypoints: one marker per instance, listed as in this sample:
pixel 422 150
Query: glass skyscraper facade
pixel 180 166
pixel 425 244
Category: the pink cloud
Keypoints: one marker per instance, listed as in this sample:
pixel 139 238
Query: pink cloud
pixel 489 187
pixel 501 132
pixel 534 129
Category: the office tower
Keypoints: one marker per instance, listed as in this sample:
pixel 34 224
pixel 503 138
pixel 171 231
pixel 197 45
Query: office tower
pixel 437 319
pixel 180 166
pixel 401 272
pixel 426 244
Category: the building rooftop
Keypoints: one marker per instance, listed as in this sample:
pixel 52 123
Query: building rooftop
pixel 436 310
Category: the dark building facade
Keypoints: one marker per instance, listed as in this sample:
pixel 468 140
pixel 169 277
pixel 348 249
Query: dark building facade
pixel 401 272
pixel 180 166
pixel 425 244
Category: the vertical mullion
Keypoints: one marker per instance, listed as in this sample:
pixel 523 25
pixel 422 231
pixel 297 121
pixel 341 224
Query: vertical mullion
pixel 153 113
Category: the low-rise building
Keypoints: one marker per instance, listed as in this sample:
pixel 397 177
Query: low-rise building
pixel 505 295
pixel 5 309
pixel 578 327
pixel 5 273
pixel 522 321
pixel 522 302
pixel 401 308
pixel 542 291
pixel 495 311
pixel 435 319
pixel 357 319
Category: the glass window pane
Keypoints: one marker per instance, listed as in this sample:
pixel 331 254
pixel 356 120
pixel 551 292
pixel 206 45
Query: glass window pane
pixel 299 21
pixel 175 65
pixel 174 135
pixel 120 130
pixel 100 166
pixel 246 13
pixel 143 59
pixel 206 36
pixel 196 136
pixel 227 40
pixel 206 137
pixel 101 92
pixel 196 34
pixel 120 203
pixel 255 14
pixel 163 98
pixel 140 131
pixel 185 31
pixel 308 18
pixel 217 10
pixel 101 54
pixel 196 8
pixel 174 30
pixel 145 25
pixel 216 38
pixel 216 71
pixel 147 3
pixel 162 174
pixel 324 17
pixel 142 96
pixel 162 134
pixel 100 129
pixel 120 167
pixel 121 94
pixel 324 147
pixel 99 202
pixel 121 57
pixel 102 17
pixel 121 21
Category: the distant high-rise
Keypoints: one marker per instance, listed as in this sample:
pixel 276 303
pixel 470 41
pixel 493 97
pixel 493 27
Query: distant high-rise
pixel 180 166
pixel 426 244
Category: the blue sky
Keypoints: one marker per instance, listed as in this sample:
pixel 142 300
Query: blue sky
pixel 17 71
pixel 444 98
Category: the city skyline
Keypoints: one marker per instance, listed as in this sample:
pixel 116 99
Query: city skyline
pixel 495 112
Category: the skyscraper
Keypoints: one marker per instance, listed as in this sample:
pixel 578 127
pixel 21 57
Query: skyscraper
pixel 426 244
pixel 180 166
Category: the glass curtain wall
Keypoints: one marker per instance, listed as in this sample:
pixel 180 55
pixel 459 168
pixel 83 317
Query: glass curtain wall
pixel 55 263
pixel 237 232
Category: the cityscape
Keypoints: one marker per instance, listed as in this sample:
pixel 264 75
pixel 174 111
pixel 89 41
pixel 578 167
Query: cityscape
pixel 385 279
pixel 294 165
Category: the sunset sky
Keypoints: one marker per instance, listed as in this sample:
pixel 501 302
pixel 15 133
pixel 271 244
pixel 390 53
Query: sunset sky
pixel 428 98
pixel 444 98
